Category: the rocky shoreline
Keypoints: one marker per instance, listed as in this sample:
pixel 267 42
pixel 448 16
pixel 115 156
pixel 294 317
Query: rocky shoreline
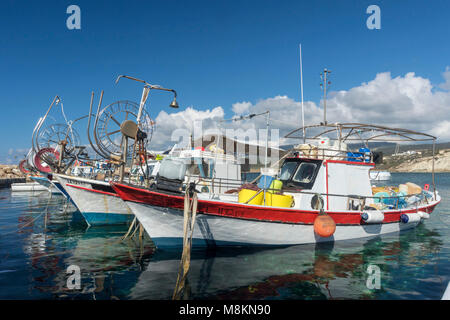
pixel 418 163
pixel 10 172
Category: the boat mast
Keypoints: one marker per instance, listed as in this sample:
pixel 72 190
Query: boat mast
pixel 301 90
pixel 325 82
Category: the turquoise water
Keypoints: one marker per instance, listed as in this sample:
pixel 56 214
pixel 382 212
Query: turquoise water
pixel 41 236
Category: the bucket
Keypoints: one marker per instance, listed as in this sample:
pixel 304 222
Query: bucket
pixel 275 186
pixel 246 194
pixel 278 200
pixel 265 182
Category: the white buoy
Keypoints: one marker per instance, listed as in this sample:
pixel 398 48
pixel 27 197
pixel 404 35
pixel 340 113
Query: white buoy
pixel 410 217
pixel 372 216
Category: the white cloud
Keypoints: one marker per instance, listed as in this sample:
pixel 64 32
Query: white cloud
pixel 241 107
pixel 167 124
pixel 408 101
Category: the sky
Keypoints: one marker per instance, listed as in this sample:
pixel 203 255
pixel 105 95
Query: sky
pixel 226 58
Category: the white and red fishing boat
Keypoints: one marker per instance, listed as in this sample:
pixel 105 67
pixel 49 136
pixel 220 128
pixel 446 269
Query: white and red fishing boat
pixel 96 200
pixel 322 193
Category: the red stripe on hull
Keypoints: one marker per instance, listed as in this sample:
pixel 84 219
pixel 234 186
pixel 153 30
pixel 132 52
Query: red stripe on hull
pixel 251 212
pixel 92 190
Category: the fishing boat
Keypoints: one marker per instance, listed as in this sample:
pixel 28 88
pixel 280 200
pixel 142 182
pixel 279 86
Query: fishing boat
pixel 96 200
pixel 54 148
pixel 117 136
pixel 322 193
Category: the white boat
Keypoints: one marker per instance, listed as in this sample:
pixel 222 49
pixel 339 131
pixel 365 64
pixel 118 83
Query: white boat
pixel 380 175
pixel 28 187
pixel 332 185
pixel 96 200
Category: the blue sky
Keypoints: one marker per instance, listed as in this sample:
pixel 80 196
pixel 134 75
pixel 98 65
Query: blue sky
pixel 214 53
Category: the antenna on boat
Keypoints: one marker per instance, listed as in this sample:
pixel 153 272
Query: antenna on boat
pixel 301 90
pixel 323 85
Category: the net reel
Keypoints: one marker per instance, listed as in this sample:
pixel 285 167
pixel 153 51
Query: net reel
pixel 120 122
pixel 116 119
pixel 55 147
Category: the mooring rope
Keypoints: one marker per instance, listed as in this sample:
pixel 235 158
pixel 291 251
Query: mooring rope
pixel 190 213
pixel 129 230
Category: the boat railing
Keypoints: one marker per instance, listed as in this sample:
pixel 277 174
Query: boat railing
pixel 354 202
pixel 335 154
pixel 363 198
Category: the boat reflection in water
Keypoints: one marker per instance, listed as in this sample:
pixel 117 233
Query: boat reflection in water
pixel 320 271
pixel 108 266
pixel 115 269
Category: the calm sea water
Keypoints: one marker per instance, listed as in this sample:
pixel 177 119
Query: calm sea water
pixel 41 236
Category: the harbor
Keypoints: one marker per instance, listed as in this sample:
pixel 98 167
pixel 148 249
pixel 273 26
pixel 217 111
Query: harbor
pixel 414 264
pixel 224 159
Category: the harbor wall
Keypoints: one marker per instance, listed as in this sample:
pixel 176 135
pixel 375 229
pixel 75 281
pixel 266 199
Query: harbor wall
pixel 10 174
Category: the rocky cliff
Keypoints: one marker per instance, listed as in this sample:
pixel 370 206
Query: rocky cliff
pixel 419 163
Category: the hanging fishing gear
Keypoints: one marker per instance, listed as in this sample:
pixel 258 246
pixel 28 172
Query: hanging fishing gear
pixel 54 147
pixel 137 130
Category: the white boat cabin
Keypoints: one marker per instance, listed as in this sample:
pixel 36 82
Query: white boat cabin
pixel 339 185
pixel 213 173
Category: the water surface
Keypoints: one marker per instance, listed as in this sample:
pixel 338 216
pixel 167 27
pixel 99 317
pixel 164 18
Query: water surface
pixel 42 235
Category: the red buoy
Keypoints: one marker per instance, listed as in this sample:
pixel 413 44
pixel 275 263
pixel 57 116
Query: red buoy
pixel 324 225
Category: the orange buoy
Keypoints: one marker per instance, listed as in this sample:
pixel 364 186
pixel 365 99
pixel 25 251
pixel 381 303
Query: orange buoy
pixel 324 225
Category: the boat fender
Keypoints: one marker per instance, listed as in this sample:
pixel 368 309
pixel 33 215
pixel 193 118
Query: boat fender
pixel 409 217
pixel 423 214
pixel 373 216
pixel 324 225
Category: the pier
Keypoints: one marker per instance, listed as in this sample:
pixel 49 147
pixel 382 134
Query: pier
pixel 6 182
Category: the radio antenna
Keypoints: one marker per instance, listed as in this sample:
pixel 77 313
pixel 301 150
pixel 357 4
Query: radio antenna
pixel 323 84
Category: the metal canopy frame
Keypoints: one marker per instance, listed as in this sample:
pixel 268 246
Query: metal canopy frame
pixel 365 133
pixel 359 129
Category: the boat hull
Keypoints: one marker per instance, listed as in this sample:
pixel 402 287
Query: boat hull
pixel 58 186
pixel 220 223
pixel 165 227
pixel 97 207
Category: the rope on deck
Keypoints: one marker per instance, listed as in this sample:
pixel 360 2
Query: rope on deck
pixel 190 212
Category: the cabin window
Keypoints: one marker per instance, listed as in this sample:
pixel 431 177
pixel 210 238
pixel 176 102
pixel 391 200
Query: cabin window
pixel 288 170
pixel 198 167
pixel 305 172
